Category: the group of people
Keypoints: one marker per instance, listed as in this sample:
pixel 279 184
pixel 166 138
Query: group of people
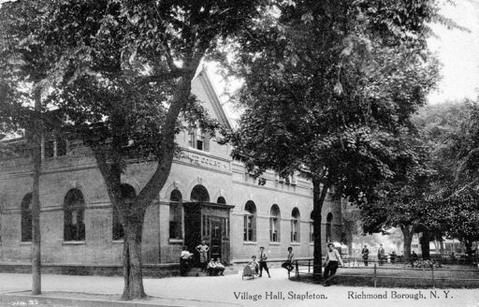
pixel 212 267
pixel 332 262
pixel 257 266
pixel 382 257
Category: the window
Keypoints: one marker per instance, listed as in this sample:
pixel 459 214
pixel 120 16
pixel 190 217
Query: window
pixel 26 226
pixel 329 219
pixel 250 221
pixel 176 215
pixel 198 139
pixel 54 147
pixel 199 194
pixel 311 228
pixel 49 146
pixel 61 147
pixel 74 211
pixel 128 195
pixel 274 223
pixel 295 228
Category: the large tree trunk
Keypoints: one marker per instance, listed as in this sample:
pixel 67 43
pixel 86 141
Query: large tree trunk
pixel 425 239
pixel 111 170
pixel 36 142
pixel 132 271
pixel 319 196
pixel 407 232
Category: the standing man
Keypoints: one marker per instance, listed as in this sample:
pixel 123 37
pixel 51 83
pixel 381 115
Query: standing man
pixel 365 254
pixel 262 262
pixel 381 254
pixel 333 259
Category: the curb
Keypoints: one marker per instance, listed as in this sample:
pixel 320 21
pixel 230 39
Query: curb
pixel 17 299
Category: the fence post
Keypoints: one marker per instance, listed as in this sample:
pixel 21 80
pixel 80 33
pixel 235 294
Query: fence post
pixel 433 280
pixel 309 265
pixel 374 278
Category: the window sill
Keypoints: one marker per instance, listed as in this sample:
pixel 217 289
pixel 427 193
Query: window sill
pixel 120 241
pixel 26 243
pixel 295 243
pixel 275 243
pixel 175 241
pixel 250 243
pixel 73 243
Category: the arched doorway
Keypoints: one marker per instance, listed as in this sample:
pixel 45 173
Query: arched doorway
pixel 207 221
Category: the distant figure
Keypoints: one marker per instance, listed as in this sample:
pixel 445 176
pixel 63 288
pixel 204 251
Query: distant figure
pixel 365 254
pixel 288 264
pixel 393 256
pixel 333 259
pixel 185 258
pixel 414 258
pixel 203 249
pixel 262 262
pixel 381 254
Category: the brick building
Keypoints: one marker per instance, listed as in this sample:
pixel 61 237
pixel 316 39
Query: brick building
pixel 207 196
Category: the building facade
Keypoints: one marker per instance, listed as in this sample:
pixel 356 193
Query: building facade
pixel 208 196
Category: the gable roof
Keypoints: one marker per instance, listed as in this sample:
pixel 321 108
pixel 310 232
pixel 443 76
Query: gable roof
pixel 212 97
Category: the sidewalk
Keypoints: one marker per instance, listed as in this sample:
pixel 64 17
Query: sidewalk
pixel 230 290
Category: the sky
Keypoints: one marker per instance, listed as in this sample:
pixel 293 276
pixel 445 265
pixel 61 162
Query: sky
pixel 458 51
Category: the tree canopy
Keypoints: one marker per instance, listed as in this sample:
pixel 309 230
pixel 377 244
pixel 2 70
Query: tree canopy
pixel 118 74
pixel 329 86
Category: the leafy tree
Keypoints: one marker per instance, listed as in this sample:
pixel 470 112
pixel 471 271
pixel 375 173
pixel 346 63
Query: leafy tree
pixel 455 194
pixel 24 65
pixel 402 200
pixel 328 86
pixel 121 79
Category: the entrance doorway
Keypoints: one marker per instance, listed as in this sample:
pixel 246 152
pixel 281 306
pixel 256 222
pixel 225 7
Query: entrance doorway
pixel 216 239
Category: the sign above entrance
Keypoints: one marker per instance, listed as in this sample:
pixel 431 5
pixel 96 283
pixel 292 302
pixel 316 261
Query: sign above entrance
pixel 205 161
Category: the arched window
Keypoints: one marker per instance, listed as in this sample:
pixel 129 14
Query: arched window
pixel 199 193
pixel 311 228
pixel 128 195
pixel 250 221
pixel 274 224
pixel 221 200
pixel 26 226
pixel 295 228
pixel 74 211
pixel 329 219
pixel 176 215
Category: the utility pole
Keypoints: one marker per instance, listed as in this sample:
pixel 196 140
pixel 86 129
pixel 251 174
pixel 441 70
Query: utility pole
pixel 36 142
